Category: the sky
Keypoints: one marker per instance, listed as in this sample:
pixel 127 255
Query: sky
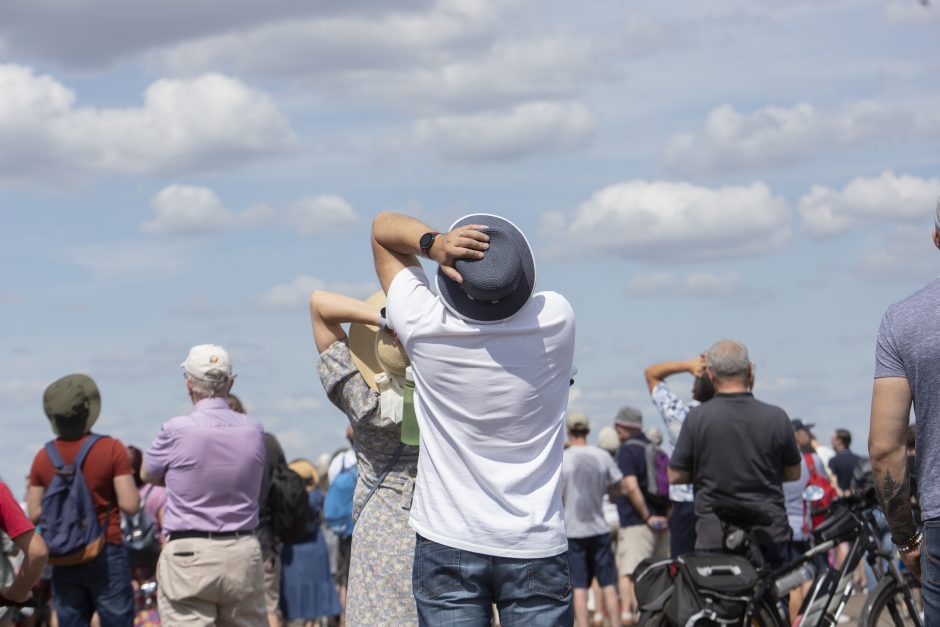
pixel 179 173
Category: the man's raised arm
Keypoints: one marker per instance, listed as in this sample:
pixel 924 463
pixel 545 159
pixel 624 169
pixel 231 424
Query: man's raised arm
pixel 397 241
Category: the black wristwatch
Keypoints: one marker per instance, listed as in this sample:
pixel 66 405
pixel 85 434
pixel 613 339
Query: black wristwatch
pixel 427 240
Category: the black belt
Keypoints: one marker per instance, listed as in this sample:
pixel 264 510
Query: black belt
pixel 211 535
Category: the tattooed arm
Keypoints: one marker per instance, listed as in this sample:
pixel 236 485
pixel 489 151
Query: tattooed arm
pixel 887 446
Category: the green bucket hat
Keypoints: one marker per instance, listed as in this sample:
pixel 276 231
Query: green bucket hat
pixel 72 405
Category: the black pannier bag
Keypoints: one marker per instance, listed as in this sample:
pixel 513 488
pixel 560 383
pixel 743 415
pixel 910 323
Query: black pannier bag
pixel 653 583
pixel 841 524
pixel 711 589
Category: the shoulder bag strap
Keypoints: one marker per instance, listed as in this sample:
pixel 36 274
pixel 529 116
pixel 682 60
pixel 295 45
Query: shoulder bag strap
pixel 384 474
pixel 83 451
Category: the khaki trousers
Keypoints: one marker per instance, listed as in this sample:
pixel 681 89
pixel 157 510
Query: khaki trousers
pixel 203 582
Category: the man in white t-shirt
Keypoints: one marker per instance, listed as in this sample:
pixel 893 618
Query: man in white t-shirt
pixel 492 363
pixel 587 475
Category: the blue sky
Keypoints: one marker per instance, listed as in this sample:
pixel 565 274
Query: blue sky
pixel 185 173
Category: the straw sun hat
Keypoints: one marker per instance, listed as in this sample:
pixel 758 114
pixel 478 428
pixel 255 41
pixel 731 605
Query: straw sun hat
pixel 374 350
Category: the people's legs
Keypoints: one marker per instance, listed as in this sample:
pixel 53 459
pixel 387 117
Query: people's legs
pixel 580 567
pixel 112 593
pixel 272 584
pixel 682 528
pixel 605 570
pixel 635 544
pixel 451 587
pixel 70 596
pixel 241 598
pixel 534 592
pixel 930 571
pixel 343 555
pixel 189 572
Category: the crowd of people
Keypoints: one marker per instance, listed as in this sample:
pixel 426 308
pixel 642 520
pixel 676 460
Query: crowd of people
pixel 470 493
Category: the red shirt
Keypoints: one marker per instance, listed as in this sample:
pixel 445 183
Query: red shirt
pixel 12 518
pixel 106 460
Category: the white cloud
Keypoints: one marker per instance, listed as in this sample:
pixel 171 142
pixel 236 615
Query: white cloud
pixel 528 129
pixel 190 210
pixel 318 215
pixel 203 123
pixel 905 254
pixel 887 197
pixel 694 285
pixel 295 295
pixel 186 210
pixel 83 34
pixel 777 135
pixel 672 222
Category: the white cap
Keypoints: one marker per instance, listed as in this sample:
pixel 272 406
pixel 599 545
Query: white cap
pixel 205 358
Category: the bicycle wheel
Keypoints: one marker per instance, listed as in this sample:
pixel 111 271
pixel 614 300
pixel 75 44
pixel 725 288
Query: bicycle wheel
pixel 886 605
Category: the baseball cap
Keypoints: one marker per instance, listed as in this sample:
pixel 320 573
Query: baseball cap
pixel 578 421
pixel 798 425
pixel 205 358
pixel 629 418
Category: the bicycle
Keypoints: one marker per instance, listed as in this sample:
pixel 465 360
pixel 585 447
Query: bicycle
pixel 850 519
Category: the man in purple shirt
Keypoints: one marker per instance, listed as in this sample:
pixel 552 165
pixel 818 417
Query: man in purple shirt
pixel 211 461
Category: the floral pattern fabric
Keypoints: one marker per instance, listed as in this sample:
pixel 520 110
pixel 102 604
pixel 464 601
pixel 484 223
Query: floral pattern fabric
pixel 674 411
pixel 379 590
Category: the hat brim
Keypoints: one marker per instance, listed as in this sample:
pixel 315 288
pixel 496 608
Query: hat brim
pixel 361 342
pixel 461 305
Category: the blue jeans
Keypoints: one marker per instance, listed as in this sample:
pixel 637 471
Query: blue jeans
pixel 930 571
pixel 102 585
pixel 455 587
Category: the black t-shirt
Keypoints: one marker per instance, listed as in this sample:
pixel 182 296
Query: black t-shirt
pixel 842 466
pixel 735 448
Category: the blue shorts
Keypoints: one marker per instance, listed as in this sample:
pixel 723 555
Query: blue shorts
pixel 589 558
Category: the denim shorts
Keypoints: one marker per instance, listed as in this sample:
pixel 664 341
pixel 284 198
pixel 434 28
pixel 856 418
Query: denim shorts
pixel 589 558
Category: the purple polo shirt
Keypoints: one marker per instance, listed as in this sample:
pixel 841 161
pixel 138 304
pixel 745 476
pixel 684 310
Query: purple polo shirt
pixel 211 462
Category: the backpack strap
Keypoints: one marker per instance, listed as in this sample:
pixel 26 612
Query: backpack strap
pixel 55 458
pixel 83 451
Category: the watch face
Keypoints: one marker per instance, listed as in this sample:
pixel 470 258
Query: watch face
pixel 426 241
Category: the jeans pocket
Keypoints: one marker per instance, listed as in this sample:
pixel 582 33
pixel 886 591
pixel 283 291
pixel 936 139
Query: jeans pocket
pixel 550 576
pixel 931 551
pixel 437 568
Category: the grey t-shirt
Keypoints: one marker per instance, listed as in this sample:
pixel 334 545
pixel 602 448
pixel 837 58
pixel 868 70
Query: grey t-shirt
pixel 736 447
pixel 586 474
pixel 909 346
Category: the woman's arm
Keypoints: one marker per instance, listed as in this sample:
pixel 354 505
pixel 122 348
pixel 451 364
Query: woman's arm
pixel 328 311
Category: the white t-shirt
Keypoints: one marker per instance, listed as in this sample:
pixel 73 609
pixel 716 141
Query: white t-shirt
pixel 490 401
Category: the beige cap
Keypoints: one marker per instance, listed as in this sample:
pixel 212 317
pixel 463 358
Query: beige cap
pixel 578 421
pixel 205 358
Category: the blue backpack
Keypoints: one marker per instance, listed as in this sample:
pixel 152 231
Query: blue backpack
pixel 69 521
pixel 338 505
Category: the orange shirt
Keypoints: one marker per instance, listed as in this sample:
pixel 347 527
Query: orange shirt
pixel 106 460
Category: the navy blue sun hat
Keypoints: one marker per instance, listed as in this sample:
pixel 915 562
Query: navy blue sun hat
pixel 496 287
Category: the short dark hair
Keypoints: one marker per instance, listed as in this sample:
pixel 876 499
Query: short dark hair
pixel 579 433
pixel 844 436
pixel 703 389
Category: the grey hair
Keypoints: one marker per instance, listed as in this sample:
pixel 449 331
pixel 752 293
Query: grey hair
pixel 216 383
pixel 728 359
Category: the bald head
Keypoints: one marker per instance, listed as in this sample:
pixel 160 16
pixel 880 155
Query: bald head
pixel 728 360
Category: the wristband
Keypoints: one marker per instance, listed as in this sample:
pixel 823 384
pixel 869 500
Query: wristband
pixel 910 544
